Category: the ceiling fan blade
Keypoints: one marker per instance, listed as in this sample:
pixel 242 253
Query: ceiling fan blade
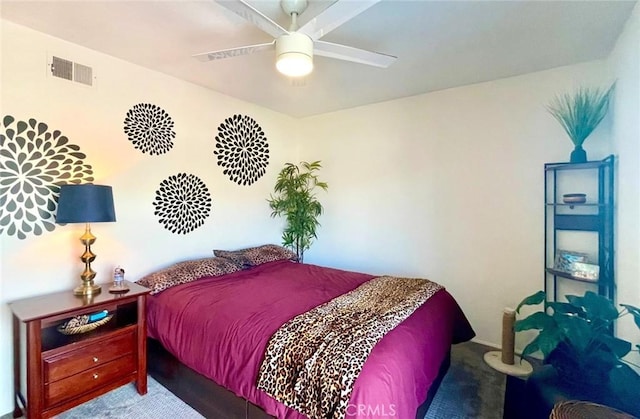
pixel 356 55
pixel 234 52
pixel 334 16
pixel 249 13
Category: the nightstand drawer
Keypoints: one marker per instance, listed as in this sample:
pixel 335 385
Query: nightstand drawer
pixel 69 363
pixel 88 380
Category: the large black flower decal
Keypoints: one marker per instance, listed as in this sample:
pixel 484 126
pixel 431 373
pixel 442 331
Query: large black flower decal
pixel 242 149
pixel 33 163
pixel 182 203
pixel 149 128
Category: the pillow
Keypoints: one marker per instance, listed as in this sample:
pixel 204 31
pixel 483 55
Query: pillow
pixel 237 257
pixel 187 271
pixel 254 256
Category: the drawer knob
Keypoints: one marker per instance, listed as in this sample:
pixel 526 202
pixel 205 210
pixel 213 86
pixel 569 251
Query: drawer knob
pixel 95 359
pixel 95 376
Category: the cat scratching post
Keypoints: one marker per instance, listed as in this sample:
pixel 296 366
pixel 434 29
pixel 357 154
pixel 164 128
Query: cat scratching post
pixel 505 360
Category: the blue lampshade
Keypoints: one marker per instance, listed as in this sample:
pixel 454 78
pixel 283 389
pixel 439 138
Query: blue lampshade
pixel 85 204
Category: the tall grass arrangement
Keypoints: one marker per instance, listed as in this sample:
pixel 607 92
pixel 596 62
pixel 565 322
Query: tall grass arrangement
pixel 581 112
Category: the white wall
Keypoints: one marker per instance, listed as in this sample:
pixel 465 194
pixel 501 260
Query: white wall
pixel 93 118
pixel 625 67
pixel 449 186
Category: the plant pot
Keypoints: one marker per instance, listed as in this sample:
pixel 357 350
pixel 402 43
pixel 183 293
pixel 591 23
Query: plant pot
pixel 585 373
pixel 586 382
pixel 578 155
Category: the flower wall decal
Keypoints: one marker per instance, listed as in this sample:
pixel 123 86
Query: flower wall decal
pixel 33 163
pixel 182 203
pixel 242 149
pixel 149 128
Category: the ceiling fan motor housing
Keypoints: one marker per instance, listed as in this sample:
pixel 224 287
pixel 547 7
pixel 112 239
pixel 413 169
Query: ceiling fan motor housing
pixel 293 6
pixel 294 54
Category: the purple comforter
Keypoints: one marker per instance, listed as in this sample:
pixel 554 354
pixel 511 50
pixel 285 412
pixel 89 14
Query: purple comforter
pixel 220 327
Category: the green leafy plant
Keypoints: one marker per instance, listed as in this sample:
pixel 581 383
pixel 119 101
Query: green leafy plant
pixel 581 112
pixel 576 339
pixel 295 199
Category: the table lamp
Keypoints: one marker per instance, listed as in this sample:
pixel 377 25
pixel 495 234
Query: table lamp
pixel 86 203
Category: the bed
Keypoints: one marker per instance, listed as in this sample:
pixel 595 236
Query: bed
pixel 208 336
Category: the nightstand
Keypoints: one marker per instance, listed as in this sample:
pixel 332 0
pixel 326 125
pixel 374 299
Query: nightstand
pixel 63 371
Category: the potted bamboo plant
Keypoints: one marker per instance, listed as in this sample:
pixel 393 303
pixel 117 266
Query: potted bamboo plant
pixel 579 114
pixel 295 199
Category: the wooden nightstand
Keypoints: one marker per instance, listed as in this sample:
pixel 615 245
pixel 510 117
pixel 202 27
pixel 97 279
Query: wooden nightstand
pixel 63 371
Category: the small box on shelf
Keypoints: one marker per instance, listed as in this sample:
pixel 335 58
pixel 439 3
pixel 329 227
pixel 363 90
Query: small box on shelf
pixel 586 271
pixel 565 260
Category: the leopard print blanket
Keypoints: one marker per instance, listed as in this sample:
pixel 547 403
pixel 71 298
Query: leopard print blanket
pixel 312 361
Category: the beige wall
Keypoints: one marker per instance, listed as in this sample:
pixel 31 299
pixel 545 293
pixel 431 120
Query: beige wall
pixel 93 118
pixel 446 185
pixel 449 186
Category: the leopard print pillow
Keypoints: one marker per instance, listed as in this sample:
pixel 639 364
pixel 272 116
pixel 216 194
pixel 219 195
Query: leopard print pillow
pixel 254 256
pixel 237 257
pixel 187 271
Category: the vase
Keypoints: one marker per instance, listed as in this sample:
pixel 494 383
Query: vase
pixel 578 155
pixel 586 373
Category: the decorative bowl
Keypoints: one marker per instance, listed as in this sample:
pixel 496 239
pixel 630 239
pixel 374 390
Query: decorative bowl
pixel 574 198
pixel 80 324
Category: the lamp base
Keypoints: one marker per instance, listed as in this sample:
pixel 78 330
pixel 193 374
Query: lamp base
pixel 87 289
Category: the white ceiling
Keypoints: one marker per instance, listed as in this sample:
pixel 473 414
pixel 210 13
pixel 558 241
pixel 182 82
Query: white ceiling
pixel 439 44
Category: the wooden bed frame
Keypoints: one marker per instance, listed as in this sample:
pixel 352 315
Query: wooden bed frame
pixel 214 401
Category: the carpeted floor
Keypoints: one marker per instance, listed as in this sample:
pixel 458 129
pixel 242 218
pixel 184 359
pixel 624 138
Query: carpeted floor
pixel 471 389
pixel 125 402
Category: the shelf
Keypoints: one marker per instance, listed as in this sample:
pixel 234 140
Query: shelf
pixel 124 316
pixel 588 204
pixel 569 276
pixel 579 166
pixel 562 220
pixel 52 339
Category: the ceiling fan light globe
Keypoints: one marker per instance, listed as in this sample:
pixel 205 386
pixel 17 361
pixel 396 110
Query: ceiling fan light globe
pixel 294 64
pixel 294 54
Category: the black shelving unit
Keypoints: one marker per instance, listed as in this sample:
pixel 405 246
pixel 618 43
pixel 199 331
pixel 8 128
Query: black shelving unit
pixel 593 217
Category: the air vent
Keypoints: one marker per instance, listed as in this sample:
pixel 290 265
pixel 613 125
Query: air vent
pixel 62 68
pixel 82 74
pixel 69 70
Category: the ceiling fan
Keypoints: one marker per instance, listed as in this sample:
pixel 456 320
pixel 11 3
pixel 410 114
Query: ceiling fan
pixel 296 46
